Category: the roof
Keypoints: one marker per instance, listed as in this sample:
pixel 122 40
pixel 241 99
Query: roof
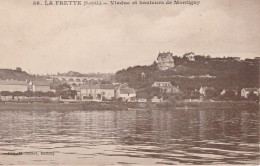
pixel 168 82
pixel 162 84
pixel 164 55
pixel 189 54
pixel 106 86
pixel 41 83
pixel 250 89
pixel 127 91
pixel 12 82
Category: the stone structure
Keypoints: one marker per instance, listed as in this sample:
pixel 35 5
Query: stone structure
pixel 77 80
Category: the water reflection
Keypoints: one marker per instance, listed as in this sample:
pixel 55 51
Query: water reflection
pixel 130 137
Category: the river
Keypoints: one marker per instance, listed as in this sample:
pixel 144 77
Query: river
pixel 142 137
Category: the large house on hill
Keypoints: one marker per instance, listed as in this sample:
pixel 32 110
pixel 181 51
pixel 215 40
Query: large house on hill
pixel 165 61
pixel 13 85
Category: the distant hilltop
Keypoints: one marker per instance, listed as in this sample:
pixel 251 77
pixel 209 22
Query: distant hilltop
pixel 191 71
pixel 16 74
pixel 78 74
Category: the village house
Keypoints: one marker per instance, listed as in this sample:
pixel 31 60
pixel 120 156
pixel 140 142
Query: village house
pixel 13 85
pixel 97 92
pixel 126 94
pixel 156 99
pixel 166 87
pixel 245 92
pixel 40 86
pixel 165 61
pixel 189 56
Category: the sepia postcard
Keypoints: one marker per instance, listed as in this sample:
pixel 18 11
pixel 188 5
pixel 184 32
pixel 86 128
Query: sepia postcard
pixel 129 82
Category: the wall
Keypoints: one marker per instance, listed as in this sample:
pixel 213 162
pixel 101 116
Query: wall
pixel 13 88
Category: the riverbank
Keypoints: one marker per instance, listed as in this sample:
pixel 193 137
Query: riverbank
pixel 129 106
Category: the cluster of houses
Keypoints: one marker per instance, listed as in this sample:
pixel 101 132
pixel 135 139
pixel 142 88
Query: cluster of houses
pixel 86 92
pixel 101 92
pixel 90 89
pixel 106 92
pixel 244 92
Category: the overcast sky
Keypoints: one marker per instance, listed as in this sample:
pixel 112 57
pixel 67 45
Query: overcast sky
pixel 51 39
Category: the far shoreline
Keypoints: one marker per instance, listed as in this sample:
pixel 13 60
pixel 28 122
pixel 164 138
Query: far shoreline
pixel 88 106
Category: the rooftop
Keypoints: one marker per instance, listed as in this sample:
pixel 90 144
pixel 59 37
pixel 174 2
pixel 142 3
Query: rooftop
pixel 127 91
pixel 41 83
pixel 97 86
pixel 12 82
pixel 164 55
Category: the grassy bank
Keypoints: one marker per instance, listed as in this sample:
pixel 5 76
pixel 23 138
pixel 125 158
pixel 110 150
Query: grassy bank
pixel 125 106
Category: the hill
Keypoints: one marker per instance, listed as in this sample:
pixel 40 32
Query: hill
pixel 219 73
pixel 16 74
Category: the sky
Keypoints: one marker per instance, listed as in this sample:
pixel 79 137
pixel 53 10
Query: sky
pixel 107 38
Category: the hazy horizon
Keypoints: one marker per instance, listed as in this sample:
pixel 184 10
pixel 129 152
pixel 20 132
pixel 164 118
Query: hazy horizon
pixel 52 39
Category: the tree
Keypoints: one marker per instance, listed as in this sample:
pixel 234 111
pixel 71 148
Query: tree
pixel 39 94
pixel 73 93
pixel 17 93
pixel 210 93
pixel 50 94
pixel 252 96
pixel 28 94
pixel 195 95
pixel 6 93
pixel 229 95
pixel 64 90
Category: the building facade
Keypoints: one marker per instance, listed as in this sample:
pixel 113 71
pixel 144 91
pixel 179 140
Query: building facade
pixel 166 87
pixel 12 86
pixel 40 86
pixel 126 94
pixel 189 56
pixel 165 61
pixel 97 92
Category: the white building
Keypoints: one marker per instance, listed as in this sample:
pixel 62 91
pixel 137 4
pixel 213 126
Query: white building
pixel 126 93
pixel 97 92
pixel 13 85
pixel 40 86
pixel 245 92
pixel 189 56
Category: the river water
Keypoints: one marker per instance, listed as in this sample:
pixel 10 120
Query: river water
pixel 129 137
